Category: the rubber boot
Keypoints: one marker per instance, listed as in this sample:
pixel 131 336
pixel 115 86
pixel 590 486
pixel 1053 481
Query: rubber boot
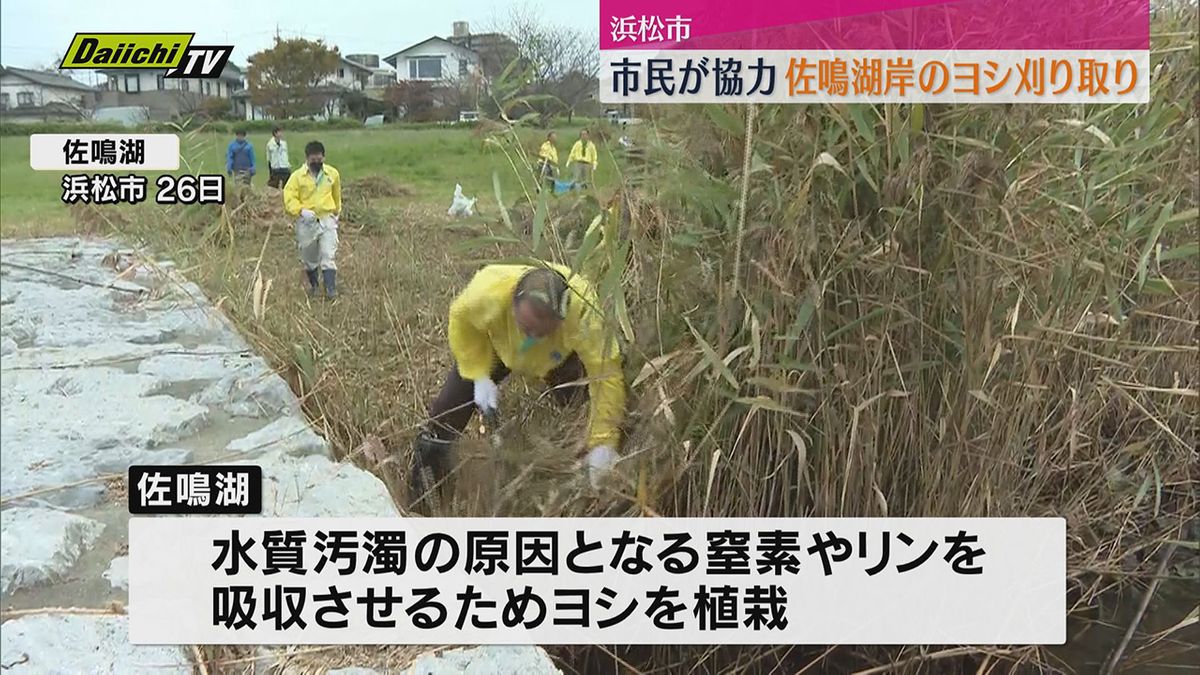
pixel 430 468
pixel 330 283
pixel 313 282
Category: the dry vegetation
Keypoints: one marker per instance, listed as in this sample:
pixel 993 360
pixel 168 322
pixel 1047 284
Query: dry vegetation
pixel 897 311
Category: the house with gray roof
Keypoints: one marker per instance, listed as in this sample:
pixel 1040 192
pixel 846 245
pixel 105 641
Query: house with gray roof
pixel 42 96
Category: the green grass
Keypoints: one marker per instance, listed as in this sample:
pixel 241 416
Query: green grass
pixel 29 200
pixel 428 161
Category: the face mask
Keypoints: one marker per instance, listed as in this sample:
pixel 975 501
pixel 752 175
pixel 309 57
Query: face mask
pixel 316 166
pixel 527 344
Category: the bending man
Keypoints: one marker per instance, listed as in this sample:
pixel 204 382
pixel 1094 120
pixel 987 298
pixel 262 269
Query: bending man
pixel 534 322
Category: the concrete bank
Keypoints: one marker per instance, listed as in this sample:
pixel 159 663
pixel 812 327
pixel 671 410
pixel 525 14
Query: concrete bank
pixel 108 361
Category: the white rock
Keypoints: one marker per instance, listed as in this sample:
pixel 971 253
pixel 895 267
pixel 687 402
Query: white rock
pixel 253 392
pixel 41 545
pixel 70 419
pixel 7 346
pixel 21 329
pixel 317 487
pixel 81 397
pixel 354 671
pixel 83 644
pixel 253 389
pixel 118 572
pixel 96 354
pixel 289 435
pixel 206 363
pixel 118 460
pixel 489 660
pixel 50 312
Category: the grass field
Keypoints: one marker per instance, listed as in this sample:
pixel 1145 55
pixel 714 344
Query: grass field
pixel 904 311
pixel 428 161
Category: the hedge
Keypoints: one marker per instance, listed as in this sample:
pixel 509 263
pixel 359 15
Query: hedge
pixel 229 126
pixel 216 126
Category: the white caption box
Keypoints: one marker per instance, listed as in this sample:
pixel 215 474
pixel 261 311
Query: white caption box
pixel 103 152
pixel 1019 598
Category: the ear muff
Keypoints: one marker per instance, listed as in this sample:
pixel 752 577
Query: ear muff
pixel 558 298
pixel 564 297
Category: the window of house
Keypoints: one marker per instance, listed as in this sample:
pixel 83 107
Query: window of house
pixel 24 98
pixel 464 67
pixel 185 85
pixel 161 82
pixel 208 88
pixel 4 102
pixel 133 84
pixel 425 68
pixel 341 73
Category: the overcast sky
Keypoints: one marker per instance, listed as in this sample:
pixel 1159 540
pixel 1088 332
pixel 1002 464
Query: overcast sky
pixel 34 32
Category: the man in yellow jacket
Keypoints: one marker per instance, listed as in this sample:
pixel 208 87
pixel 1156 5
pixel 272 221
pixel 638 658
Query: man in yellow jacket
pixel 548 160
pixel 583 156
pixel 313 195
pixel 537 321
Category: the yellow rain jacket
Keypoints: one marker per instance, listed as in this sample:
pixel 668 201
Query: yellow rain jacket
pixel 323 195
pixel 581 154
pixel 482 327
pixel 549 153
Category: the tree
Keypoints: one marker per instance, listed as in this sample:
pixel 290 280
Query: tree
pixel 285 79
pixel 563 62
pixel 360 106
pixel 53 65
pixel 412 100
pixel 215 108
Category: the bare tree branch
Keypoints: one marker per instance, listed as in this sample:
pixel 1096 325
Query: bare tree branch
pixel 565 61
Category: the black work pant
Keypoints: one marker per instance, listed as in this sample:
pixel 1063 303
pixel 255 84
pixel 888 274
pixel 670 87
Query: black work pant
pixel 454 405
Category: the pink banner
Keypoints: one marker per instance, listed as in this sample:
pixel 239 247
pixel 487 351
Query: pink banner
pixel 875 24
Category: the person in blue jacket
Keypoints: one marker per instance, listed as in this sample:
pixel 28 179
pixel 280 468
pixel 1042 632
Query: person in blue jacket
pixel 239 158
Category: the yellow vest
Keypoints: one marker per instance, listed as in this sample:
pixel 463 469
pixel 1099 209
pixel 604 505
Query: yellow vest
pixel 549 153
pixel 302 191
pixel 579 153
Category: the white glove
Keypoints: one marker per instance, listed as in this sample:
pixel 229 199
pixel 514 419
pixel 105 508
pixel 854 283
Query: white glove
pixel 307 214
pixel 487 395
pixel 600 461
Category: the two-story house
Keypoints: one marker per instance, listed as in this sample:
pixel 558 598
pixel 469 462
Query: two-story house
pixel 41 96
pixel 464 63
pixel 165 98
pixel 463 54
pixel 436 60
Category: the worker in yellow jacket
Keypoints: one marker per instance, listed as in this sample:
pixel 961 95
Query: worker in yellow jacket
pixel 313 195
pixel 548 160
pixel 539 321
pixel 583 156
